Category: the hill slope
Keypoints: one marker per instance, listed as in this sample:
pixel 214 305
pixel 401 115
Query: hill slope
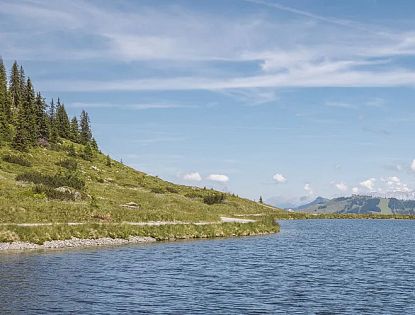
pixel 360 205
pixel 102 197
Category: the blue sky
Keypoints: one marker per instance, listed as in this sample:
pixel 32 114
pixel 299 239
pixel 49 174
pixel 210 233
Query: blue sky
pixel 284 99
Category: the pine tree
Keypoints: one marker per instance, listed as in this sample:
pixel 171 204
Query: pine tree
pixel 74 130
pixel 87 153
pixel 109 163
pixel 28 107
pixel 14 88
pixel 52 111
pixel 53 134
pixel 4 98
pixel 23 83
pixel 85 133
pixel 4 105
pixel 25 122
pixel 260 199
pixel 94 144
pixel 41 118
pixel 62 121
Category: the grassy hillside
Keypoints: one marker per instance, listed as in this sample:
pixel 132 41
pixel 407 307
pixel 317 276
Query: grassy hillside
pixel 60 187
pixel 361 205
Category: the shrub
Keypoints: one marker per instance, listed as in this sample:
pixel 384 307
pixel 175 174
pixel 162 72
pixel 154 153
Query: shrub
pixel 213 199
pixel 69 164
pixel 71 150
pixel 87 153
pixel 17 159
pixel 54 181
pixel 172 190
pixel 194 194
pixel 158 190
pixel 51 193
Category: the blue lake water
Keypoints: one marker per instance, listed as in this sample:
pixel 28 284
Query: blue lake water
pixel 311 267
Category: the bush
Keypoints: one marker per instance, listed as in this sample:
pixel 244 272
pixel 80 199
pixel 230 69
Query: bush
pixel 17 159
pixel 158 190
pixel 213 199
pixel 51 193
pixel 54 181
pixel 172 190
pixel 69 164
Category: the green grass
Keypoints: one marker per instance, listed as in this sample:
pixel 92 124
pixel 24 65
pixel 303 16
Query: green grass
pixel 40 234
pixel 106 189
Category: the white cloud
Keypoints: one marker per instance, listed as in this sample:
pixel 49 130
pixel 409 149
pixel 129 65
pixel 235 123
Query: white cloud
pixel 194 176
pixel 142 106
pixel 355 190
pixel 308 189
pixel 413 165
pixel 342 187
pixel 218 178
pixel 279 178
pixel 368 184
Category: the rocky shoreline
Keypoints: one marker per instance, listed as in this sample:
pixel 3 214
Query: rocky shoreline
pixel 74 243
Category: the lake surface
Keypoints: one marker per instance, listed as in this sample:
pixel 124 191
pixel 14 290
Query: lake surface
pixel 311 267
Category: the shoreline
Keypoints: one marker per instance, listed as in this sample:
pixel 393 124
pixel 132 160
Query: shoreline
pixel 74 243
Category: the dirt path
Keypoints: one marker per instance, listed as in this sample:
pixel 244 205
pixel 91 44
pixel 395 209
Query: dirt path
pixel 147 223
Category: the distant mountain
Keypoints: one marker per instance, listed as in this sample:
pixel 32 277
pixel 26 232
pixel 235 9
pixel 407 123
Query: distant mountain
pixel 315 202
pixel 359 204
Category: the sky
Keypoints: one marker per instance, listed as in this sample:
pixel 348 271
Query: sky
pixel 289 100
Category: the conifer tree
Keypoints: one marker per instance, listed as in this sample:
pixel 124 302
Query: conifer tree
pixel 23 83
pixel 94 144
pixel 87 153
pixel 28 107
pixel 62 121
pixel 4 99
pixel 53 134
pixel 260 199
pixel 74 130
pixel 85 133
pixel 25 123
pixel 52 111
pixel 109 164
pixel 42 123
pixel 14 88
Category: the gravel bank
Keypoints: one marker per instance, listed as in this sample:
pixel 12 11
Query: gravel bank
pixel 75 242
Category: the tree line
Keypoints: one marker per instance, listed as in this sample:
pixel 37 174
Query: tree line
pixel 26 120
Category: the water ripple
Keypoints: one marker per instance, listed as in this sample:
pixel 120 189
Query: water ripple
pixel 311 267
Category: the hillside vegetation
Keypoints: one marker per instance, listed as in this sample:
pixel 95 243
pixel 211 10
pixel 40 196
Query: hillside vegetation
pixel 59 186
pixel 360 205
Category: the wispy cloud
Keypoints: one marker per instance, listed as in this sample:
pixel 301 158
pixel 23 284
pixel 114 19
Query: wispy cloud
pixel 142 106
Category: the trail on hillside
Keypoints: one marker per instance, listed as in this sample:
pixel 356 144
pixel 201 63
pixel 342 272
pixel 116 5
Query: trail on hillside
pixel 144 223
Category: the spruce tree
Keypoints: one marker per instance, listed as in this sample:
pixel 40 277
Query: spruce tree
pixel 109 163
pixel 41 118
pixel 87 153
pixel 23 83
pixel 14 88
pixel 85 133
pixel 94 144
pixel 25 122
pixel 28 107
pixel 52 111
pixel 74 130
pixel 4 105
pixel 62 121
pixel 4 99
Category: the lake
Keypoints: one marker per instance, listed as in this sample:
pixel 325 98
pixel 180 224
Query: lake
pixel 311 267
